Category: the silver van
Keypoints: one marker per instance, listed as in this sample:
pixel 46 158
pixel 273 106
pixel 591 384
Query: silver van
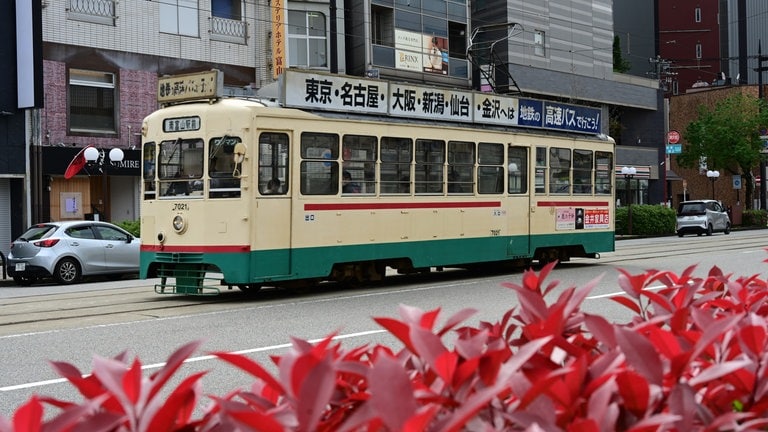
pixel 702 217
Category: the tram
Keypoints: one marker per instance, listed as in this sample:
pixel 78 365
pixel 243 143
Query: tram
pixel 244 193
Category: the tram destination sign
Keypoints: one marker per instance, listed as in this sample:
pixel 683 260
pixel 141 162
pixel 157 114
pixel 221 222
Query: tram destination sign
pixel 311 90
pixel 201 85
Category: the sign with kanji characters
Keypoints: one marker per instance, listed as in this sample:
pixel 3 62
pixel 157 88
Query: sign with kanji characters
pixel 596 219
pixel 201 85
pixel 278 37
pixel 313 90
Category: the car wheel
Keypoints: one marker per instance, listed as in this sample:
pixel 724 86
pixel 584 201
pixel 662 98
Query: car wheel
pixel 23 280
pixel 679 233
pixel 727 229
pixel 709 229
pixel 67 271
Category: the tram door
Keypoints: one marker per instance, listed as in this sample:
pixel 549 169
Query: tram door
pixel 518 215
pixel 273 212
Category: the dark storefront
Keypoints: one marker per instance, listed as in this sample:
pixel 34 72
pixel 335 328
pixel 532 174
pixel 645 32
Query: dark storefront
pixel 82 196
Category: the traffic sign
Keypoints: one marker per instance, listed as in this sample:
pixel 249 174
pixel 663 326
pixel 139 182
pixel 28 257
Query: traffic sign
pixel 673 137
pixel 674 148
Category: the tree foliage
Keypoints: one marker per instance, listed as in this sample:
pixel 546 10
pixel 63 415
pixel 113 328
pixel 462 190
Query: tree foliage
pixel 727 136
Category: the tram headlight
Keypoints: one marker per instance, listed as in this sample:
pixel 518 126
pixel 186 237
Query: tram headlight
pixel 179 224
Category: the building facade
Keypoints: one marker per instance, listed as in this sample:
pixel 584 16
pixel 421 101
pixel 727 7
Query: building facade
pixel 102 59
pixel 21 90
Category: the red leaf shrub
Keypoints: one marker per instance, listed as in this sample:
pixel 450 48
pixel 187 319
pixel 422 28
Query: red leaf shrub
pixel 693 357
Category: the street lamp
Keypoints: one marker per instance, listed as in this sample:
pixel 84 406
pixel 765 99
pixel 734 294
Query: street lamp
pixel 628 172
pixel 712 176
pixel 97 157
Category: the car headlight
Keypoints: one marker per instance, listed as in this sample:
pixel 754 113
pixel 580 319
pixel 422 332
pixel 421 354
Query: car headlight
pixel 179 224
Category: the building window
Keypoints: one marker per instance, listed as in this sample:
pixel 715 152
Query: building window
pixel 306 39
pixel 697 14
pixel 92 106
pixel 226 9
pixel 382 26
pixel 179 17
pixel 457 40
pixel 538 43
pixel 95 11
pixel 698 50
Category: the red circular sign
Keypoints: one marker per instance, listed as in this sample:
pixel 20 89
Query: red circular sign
pixel 673 137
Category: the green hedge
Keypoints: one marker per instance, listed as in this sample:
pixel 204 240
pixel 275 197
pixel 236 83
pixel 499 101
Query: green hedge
pixel 647 220
pixel 754 218
pixel 133 227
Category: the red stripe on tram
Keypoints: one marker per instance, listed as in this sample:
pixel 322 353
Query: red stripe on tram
pixel 399 206
pixel 572 204
pixel 197 248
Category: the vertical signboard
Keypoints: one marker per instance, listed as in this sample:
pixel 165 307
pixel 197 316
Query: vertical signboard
pixel 278 38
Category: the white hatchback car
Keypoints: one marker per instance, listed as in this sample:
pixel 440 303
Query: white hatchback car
pixel 702 217
pixel 67 251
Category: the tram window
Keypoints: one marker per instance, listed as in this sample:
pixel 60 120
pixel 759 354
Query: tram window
pixel 559 170
pixel 320 169
pixel 221 168
pixel 273 163
pixel 461 167
pixel 517 170
pixel 396 157
pixel 490 173
pixel 358 154
pixel 603 172
pixel 541 169
pixel 181 167
pixel 582 171
pixel 430 162
pixel 148 170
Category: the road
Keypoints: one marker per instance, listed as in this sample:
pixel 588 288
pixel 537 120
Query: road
pixel 74 323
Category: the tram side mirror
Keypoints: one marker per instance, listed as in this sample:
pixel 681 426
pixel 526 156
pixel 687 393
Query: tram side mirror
pixel 238 157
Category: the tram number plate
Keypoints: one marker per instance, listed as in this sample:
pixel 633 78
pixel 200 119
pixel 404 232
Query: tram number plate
pixel 19 267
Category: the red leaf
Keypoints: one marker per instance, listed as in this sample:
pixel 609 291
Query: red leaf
pixel 178 407
pixel 173 363
pixel 89 387
pixel 132 382
pixel 314 396
pixel 583 425
pixel 634 391
pixel 254 420
pixel 428 346
pixel 641 354
pixel 399 330
pixel 445 366
pixel 29 416
pixel 391 393
pixel 622 300
pixel 754 338
pixel 456 319
pixel 419 422
pixel 601 329
pixel 718 370
pixel 251 367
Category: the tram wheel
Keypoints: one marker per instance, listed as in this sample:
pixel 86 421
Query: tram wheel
pixel 249 288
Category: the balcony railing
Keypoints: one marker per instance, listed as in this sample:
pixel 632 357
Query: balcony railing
pixel 96 11
pixel 229 30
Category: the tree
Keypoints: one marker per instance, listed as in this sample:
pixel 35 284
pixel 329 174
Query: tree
pixel 619 63
pixel 727 136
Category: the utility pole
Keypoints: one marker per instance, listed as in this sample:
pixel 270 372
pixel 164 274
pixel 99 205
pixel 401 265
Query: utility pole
pixel 760 69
